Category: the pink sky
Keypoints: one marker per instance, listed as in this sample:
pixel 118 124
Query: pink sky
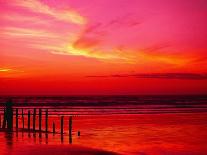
pixel 103 46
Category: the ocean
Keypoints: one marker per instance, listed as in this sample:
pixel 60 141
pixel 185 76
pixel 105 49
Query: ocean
pixel 91 105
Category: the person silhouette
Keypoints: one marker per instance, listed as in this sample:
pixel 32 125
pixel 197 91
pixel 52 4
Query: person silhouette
pixel 8 115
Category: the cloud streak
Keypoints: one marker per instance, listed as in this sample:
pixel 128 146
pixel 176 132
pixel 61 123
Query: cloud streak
pixel 181 76
pixel 27 33
pixel 68 15
pixel 5 69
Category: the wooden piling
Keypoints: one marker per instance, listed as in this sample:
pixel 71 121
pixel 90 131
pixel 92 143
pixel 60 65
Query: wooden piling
pixel 70 129
pixel 29 120
pixel 4 119
pixel 22 118
pixel 78 133
pixel 0 121
pixel 17 119
pixel 62 122
pixel 53 126
pixel 34 120
pixel 46 121
pixel 40 120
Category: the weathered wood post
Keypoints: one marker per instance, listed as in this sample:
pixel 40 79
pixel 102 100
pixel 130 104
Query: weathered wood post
pixel 70 129
pixel 22 118
pixel 29 120
pixel 17 119
pixel 4 119
pixel 62 126
pixel 0 121
pixel 46 125
pixel 34 120
pixel 46 120
pixel 40 120
pixel 78 133
pixel 53 126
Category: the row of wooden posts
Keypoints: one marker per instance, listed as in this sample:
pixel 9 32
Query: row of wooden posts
pixel 40 123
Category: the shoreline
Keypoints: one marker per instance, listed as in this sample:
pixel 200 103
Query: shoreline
pixel 63 149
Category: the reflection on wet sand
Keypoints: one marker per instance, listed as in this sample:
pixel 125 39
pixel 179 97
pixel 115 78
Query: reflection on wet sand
pixel 9 139
pixel 162 134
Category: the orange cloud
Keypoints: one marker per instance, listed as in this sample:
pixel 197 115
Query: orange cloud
pixel 9 72
pixel 166 58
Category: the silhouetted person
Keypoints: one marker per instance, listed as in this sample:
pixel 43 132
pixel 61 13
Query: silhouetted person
pixel 8 115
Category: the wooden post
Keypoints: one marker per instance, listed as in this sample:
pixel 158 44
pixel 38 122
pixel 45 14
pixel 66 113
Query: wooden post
pixel 17 119
pixel 0 121
pixel 29 120
pixel 78 133
pixel 46 121
pixel 40 120
pixel 4 120
pixel 22 118
pixel 34 120
pixel 53 126
pixel 62 122
pixel 70 129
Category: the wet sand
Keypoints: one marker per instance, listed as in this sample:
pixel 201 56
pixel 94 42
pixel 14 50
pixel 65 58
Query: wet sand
pixel 142 134
pixel 58 150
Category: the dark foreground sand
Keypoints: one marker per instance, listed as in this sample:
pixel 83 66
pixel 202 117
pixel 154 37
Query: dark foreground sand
pixel 57 149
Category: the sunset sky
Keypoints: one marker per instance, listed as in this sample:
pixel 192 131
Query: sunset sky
pixel 56 47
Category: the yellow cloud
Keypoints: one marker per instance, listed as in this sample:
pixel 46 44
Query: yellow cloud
pixel 23 18
pixel 96 54
pixel 66 15
pixel 130 56
pixel 24 32
pixel 5 69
